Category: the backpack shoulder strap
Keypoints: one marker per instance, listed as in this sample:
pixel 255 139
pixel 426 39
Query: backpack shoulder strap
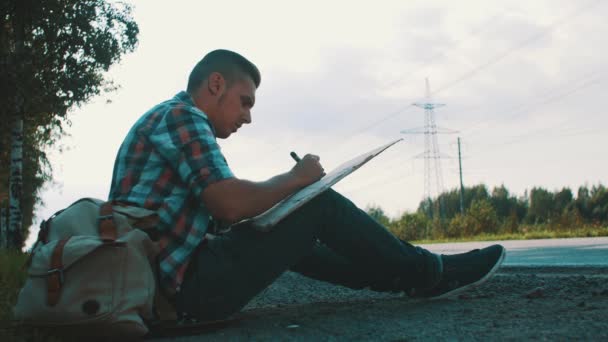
pixel 55 274
pixel 107 226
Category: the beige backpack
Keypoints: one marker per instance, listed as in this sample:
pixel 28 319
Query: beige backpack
pixel 91 272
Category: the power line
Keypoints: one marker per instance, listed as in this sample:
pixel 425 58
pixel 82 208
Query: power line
pixel 382 178
pixel 483 66
pixel 390 180
pixel 400 79
pixel 472 33
pixel 527 136
pixel 549 96
pixel 472 71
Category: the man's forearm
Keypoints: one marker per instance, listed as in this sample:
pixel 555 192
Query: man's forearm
pixel 232 200
pixel 235 199
pixel 261 196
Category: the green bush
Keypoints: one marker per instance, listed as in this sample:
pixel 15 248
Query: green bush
pixel 410 226
pixel 458 226
pixel 480 218
pixel 510 225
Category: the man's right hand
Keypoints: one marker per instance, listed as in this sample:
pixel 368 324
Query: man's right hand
pixel 308 170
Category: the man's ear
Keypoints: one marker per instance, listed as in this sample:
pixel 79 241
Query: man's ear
pixel 216 84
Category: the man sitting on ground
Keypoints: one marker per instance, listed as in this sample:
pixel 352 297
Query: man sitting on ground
pixel 170 162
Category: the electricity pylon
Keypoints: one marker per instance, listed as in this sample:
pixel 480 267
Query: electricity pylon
pixel 431 155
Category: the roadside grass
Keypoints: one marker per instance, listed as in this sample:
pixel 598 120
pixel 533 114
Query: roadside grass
pixel 12 277
pixel 526 233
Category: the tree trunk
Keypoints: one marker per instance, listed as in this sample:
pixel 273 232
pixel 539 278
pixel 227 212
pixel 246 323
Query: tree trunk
pixel 3 228
pixel 15 229
pixel 15 185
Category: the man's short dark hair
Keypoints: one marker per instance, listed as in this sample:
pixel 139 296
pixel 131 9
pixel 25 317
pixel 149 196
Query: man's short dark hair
pixel 228 63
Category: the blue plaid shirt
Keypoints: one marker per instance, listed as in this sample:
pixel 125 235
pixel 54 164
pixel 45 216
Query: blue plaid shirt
pixel 165 162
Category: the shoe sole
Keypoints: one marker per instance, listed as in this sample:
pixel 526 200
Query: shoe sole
pixel 477 283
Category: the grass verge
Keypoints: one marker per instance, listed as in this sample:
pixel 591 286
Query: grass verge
pixel 527 233
pixel 12 277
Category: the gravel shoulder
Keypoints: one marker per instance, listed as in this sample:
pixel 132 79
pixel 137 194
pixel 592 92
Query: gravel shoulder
pixel 518 303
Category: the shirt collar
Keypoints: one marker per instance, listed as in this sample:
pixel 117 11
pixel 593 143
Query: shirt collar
pixel 184 97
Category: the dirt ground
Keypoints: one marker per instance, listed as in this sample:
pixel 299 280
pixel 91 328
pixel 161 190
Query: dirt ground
pixel 518 303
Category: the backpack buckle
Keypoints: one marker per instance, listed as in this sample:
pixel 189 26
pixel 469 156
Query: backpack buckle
pixel 105 217
pixel 56 270
pixel 107 228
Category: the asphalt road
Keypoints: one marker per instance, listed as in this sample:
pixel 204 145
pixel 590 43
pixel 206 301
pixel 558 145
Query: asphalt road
pixel 546 290
pixel 544 252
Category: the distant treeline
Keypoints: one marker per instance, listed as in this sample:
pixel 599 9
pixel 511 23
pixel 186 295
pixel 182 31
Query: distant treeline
pixel 499 212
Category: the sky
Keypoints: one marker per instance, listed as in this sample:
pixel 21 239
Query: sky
pixel 523 83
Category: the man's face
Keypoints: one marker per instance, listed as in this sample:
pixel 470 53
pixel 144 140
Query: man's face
pixel 234 107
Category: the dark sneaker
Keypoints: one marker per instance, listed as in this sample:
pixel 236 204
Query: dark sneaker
pixel 463 271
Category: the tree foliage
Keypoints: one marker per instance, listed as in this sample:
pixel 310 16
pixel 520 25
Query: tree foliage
pixel 68 45
pixel 499 211
pixel 377 214
pixel 541 205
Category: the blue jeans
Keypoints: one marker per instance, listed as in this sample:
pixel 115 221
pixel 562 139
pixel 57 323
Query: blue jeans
pixel 328 239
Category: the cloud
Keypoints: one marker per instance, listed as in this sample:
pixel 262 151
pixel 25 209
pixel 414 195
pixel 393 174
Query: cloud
pixel 339 77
